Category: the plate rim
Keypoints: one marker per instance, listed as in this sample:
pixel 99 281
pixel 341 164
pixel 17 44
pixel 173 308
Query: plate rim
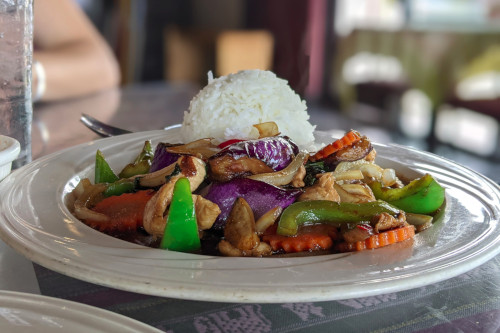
pixel 321 293
pixel 27 301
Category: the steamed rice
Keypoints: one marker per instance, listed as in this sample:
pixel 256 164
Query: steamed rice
pixel 228 106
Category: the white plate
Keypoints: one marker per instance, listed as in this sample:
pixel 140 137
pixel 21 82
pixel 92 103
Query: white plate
pixel 35 221
pixel 22 312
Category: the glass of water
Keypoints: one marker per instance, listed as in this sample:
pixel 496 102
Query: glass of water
pixel 16 51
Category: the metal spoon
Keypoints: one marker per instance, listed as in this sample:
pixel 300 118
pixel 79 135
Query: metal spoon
pixel 101 128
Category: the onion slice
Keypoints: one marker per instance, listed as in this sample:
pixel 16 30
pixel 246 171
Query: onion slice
pixel 88 194
pixel 157 178
pixel 267 129
pixel 267 220
pixel 203 148
pixel 284 176
pixel 355 193
pixel 348 175
pixel 418 219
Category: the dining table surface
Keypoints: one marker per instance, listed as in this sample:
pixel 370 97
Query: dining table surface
pixel 469 302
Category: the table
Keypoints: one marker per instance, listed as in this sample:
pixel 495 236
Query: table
pixel 469 302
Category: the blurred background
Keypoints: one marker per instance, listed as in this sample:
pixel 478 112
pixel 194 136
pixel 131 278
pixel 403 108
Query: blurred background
pixel 428 71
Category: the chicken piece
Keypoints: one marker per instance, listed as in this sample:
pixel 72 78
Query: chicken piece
pixel 228 250
pixel 241 238
pixel 358 233
pixel 262 250
pixel 323 189
pixel 298 179
pixel 385 221
pixel 154 221
pixel 206 212
pixel 240 227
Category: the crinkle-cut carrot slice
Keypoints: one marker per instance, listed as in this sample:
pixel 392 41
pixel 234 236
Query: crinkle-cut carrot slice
pixel 379 240
pixel 299 243
pixel 348 139
pixel 313 238
pixel 125 212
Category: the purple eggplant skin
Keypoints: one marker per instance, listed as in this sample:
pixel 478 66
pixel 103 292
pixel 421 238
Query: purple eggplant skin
pixel 261 197
pixel 277 151
pixel 162 158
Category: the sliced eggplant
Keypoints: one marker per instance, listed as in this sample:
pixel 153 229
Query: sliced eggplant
pixel 162 157
pixel 261 197
pixel 252 157
pixel 357 151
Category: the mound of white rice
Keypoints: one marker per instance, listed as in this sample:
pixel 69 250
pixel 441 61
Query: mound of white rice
pixel 228 106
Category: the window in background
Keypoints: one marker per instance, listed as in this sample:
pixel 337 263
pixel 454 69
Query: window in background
pixel 456 15
pixel 480 86
pixel 468 130
pixel 415 119
pixel 371 67
pixel 398 62
pixel 385 15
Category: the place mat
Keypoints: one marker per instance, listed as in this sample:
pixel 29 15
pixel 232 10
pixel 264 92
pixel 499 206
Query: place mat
pixel 16 271
pixel 469 302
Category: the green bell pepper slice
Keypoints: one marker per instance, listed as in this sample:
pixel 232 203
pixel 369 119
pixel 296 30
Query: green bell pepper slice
pixel 141 163
pixel 102 171
pixel 421 196
pixel 331 212
pixel 181 230
pixel 119 187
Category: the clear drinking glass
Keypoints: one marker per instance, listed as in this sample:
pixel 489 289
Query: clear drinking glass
pixel 16 50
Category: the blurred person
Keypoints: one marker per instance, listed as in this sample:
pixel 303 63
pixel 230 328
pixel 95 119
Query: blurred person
pixel 70 57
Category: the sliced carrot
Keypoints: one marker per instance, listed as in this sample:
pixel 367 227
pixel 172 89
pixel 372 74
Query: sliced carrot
pixel 125 212
pixel 348 139
pixel 299 243
pixel 379 240
pixel 319 237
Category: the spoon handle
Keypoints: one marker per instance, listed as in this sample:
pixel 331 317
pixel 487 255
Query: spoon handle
pixel 101 128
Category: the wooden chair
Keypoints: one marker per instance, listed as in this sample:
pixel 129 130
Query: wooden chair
pixel 243 49
pixel 188 54
pixel 191 53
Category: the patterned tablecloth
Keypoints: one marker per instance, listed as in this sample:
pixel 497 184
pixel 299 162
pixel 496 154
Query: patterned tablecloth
pixel 467 303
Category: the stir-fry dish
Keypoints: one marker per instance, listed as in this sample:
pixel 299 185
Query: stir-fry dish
pixel 259 197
